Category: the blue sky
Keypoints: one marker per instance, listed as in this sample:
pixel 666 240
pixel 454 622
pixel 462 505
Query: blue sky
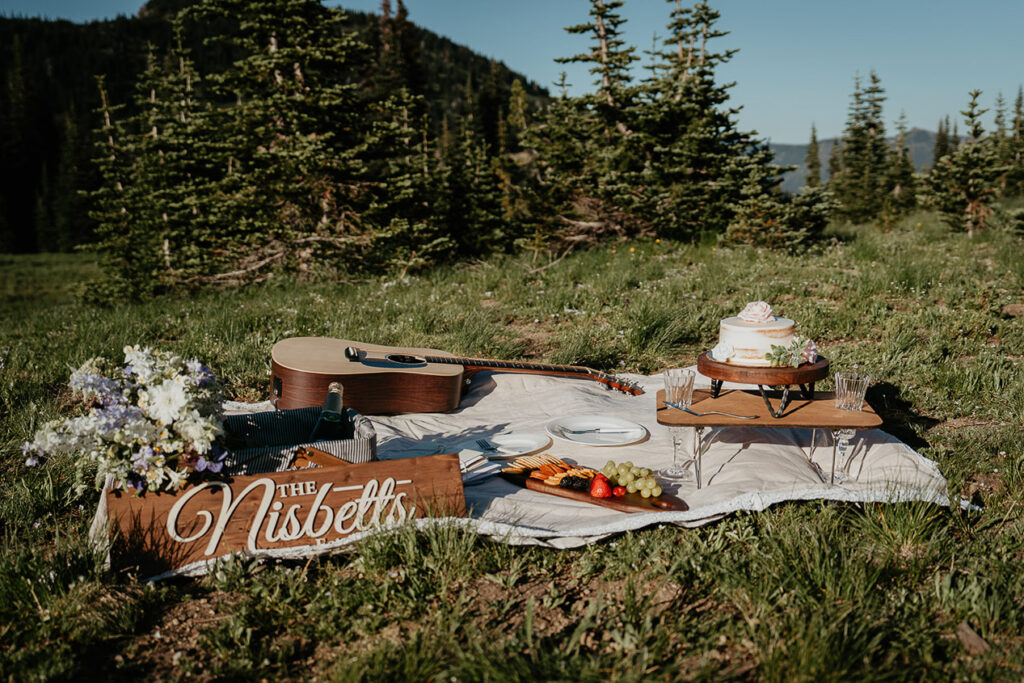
pixel 797 58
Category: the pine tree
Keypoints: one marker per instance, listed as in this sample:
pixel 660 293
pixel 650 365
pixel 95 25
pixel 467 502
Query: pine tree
pixel 835 164
pixel 941 141
pixel 128 253
pixel 604 173
pixel 1015 174
pixel 412 234
pixel 290 189
pixel 963 183
pixel 812 161
pixel 902 195
pixel 698 165
pixel 860 184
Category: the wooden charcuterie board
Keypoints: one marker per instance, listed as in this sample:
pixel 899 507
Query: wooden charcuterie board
pixel 631 502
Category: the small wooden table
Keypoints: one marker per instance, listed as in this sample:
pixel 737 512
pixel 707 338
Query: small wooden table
pixel 814 413
pixel 804 376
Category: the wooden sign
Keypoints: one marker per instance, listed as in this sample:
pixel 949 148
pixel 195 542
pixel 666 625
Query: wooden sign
pixel 292 514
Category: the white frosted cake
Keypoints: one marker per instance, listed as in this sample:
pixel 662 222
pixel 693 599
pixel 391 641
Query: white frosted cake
pixel 747 339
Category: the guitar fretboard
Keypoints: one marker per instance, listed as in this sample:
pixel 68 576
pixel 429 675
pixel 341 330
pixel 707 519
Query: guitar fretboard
pixel 512 365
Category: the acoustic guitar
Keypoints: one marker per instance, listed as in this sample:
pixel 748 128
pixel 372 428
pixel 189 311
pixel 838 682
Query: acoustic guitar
pixel 388 380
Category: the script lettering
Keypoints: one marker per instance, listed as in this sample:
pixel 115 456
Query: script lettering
pixel 377 503
pixel 227 509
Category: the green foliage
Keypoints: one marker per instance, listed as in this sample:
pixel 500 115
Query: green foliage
pixel 812 160
pixel 962 185
pixel 900 183
pixel 772 220
pixel 860 182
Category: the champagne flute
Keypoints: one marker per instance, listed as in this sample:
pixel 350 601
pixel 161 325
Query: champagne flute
pixel 678 390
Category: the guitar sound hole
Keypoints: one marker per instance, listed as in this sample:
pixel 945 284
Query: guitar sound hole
pixel 404 359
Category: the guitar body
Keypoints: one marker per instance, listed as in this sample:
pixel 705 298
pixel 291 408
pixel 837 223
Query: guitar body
pixel 303 367
pixel 389 380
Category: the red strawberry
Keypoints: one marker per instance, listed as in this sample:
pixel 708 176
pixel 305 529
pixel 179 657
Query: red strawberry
pixel 599 488
pixel 619 491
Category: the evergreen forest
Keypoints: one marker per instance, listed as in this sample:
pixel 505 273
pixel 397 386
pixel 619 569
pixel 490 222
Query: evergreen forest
pixel 222 142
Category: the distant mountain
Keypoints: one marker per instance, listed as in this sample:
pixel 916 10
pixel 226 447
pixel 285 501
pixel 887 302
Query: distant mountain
pixel 921 144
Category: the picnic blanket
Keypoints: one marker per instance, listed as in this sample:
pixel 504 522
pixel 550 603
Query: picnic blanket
pixel 743 468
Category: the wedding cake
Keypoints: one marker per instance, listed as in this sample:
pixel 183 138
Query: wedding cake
pixel 756 338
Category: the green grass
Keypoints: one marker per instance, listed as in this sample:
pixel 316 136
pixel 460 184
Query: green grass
pixel 804 591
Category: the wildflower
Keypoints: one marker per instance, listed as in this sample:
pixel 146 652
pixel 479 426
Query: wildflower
pixel 166 400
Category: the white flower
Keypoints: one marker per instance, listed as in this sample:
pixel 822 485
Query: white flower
pixel 756 312
pixel 166 401
pixel 722 352
pixel 175 480
pixel 141 362
pixel 197 430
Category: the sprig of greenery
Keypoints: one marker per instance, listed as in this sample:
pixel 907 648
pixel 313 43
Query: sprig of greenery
pixel 791 356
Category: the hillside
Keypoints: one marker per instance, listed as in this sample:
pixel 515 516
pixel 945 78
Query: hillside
pixel 921 144
pixel 48 113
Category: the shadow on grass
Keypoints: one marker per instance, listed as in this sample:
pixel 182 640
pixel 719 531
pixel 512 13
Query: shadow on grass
pixel 899 417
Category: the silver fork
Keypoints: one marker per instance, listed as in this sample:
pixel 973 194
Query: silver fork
pixel 710 412
pixel 487 446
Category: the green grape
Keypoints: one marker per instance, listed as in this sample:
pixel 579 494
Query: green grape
pixel 632 487
pixel 628 464
pixel 644 472
pixel 647 484
pixel 635 471
pixel 656 491
pixel 627 478
pixel 609 465
pixel 646 493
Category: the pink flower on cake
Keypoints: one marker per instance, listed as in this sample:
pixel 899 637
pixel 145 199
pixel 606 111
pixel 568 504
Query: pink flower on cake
pixel 810 352
pixel 756 312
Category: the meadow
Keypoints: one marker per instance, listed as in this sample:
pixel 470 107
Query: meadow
pixel 802 591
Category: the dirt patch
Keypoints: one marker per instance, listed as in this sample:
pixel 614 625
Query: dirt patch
pixel 535 338
pixel 962 422
pixel 174 635
pixel 983 486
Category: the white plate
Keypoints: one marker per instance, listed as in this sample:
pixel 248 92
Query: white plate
pixel 620 432
pixel 510 445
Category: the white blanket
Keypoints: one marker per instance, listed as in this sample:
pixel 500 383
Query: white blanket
pixel 743 468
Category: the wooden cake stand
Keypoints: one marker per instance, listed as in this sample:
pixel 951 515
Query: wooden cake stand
pixel 804 376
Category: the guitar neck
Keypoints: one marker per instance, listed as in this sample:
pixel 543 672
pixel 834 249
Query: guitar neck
pixel 536 368
pixel 487 364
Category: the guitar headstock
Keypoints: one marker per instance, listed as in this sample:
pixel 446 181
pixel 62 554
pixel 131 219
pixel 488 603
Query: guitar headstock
pixel 618 383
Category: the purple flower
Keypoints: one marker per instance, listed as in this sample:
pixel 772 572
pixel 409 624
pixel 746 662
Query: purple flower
pixel 117 415
pixel 204 465
pixel 31 461
pixel 129 371
pixel 140 460
pixel 213 464
pixel 201 375
pixel 91 383
pixel 134 483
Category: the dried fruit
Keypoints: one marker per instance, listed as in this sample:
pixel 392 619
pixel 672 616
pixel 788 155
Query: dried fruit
pixel 575 483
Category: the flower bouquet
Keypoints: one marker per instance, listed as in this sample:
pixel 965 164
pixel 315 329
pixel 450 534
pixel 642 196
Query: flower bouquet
pixel 149 424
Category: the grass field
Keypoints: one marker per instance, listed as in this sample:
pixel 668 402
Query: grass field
pixel 803 591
